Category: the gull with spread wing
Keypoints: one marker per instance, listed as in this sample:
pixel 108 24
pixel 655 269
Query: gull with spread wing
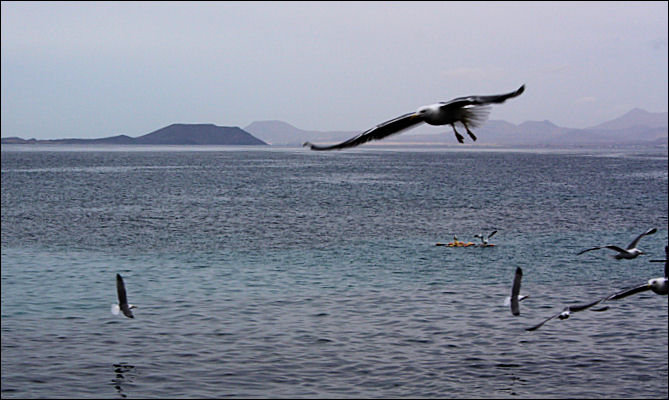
pixel 567 311
pixel 515 298
pixel 484 239
pixel 629 253
pixel 469 111
pixel 122 300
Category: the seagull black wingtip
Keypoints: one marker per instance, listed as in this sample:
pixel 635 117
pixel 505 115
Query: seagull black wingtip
pixel 315 147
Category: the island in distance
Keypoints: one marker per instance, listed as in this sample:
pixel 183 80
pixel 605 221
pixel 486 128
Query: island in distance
pixel 175 134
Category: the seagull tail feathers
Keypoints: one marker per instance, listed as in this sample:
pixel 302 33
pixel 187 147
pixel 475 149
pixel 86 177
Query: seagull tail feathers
pixel 474 116
pixel 115 309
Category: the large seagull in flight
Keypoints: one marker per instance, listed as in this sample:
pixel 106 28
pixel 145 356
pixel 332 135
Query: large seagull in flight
pixel 470 111
pixel 629 253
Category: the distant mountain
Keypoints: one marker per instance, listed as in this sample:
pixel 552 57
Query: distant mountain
pixel 210 134
pixel 635 127
pixel 282 133
pixel 175 134
pixel 635 117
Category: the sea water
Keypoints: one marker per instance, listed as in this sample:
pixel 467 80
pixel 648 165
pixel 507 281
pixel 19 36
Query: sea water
pixel 286 273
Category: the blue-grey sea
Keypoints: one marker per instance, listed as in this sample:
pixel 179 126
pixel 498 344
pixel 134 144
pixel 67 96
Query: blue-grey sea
pixel 277 272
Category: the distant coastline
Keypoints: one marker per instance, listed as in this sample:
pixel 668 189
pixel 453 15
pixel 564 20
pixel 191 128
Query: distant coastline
pixel 634 128
pixel 175 134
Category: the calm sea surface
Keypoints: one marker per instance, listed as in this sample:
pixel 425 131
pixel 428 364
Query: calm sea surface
pixel 287 273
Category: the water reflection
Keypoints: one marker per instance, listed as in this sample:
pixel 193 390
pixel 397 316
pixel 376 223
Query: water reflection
pixel 124 373
pixel 514 382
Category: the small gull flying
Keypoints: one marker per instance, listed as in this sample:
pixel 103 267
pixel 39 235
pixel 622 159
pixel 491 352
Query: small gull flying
pixel 629 253
pixel 657 285
pixel 470 111
pixel 122 300
pixel 484 239
pixel 567 311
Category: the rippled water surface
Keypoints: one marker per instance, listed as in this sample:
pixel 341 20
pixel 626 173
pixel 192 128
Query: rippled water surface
pixel 286 273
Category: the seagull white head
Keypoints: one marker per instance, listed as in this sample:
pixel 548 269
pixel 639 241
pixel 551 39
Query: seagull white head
pixel 428 113
pixel 659 285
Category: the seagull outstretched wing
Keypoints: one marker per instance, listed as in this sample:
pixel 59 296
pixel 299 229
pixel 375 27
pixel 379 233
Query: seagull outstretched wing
pixel 540 324
pixel 636 241
pixel 610 246
pixel 515 291
pixel 590 249
pixel 629 292
pixel 122 297
pixel 395 125
pixel 482 100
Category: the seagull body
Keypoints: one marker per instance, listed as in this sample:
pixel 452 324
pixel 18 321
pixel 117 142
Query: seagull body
pixel 484 239
pixel 629 253
pixel 122 299
pixel 470 111
pixel 515 298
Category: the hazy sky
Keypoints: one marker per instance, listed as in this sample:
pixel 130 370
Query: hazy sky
pixel 91 70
